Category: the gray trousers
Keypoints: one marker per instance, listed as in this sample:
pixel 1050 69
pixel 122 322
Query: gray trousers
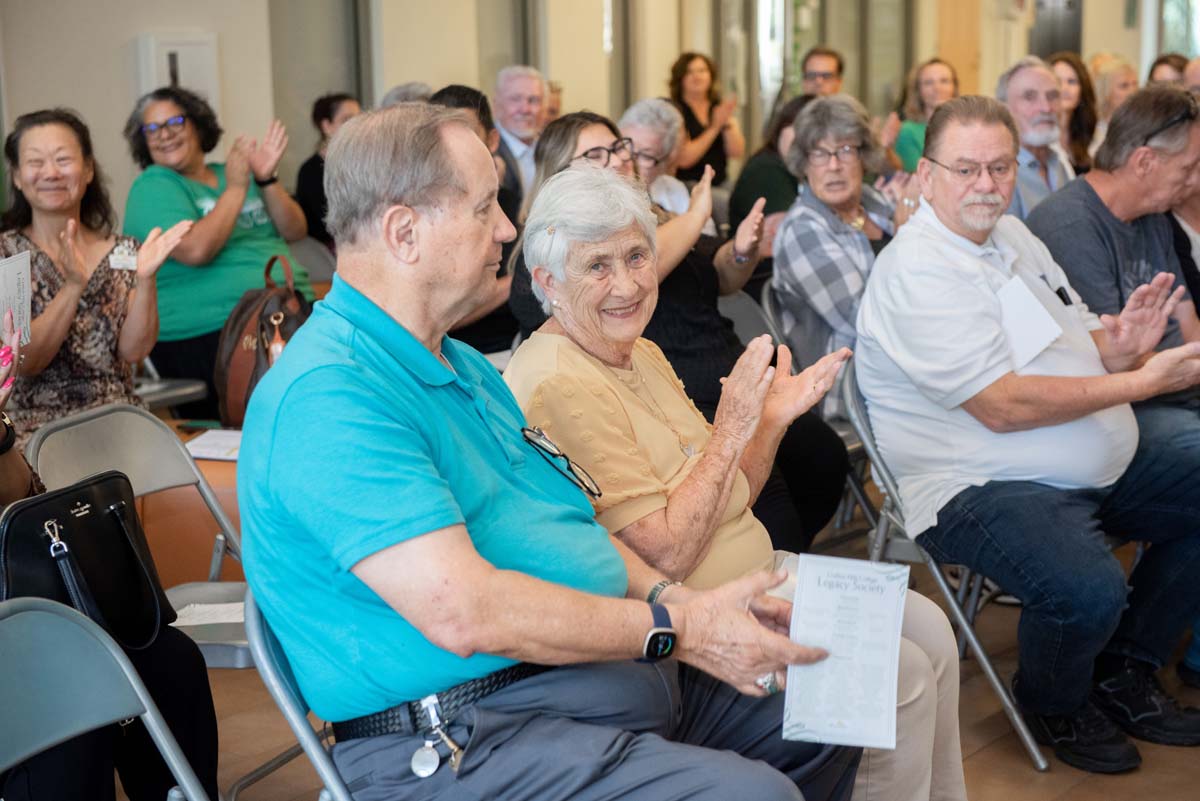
pixel 607 731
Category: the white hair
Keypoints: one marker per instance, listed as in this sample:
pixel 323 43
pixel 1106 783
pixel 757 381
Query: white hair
pixel 658 115
pixel 581 205
pixel 1025 63
pixel 512 71
pixel 410 92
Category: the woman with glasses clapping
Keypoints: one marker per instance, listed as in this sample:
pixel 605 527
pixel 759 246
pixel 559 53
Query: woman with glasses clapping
pixel 242 217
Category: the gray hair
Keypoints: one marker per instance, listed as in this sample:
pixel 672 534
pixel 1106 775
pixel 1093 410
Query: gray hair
pixel 410 92
pixel 512 71
pixel 837 117
pixel 1104 80
pixel 964 111
pixel 658 115
pixel 1150 117
pixel 581 205
pixel 1028 62
pixel 394 156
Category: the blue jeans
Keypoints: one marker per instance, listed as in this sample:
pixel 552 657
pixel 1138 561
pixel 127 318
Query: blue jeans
pixel 1046 546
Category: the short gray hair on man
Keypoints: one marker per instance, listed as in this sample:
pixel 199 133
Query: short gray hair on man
pixel 1160 116
pixel 410 92
pixel 964 111
pixel 581 205
pixel 837 117
pixel 658 115
pixel 1028 62
pixel 393 156
pixel 512 71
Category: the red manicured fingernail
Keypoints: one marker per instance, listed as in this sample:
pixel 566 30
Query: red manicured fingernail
pixel 9 382
pixel 5 352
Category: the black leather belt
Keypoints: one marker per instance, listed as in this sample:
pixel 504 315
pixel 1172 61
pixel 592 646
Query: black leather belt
pixel 411 717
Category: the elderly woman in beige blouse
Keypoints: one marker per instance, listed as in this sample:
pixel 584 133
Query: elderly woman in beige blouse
pixel 675 489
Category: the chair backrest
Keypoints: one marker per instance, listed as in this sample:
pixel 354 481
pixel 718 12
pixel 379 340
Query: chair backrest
pixel 276 672
pixel 746 315
pixel 856 409
pixel 126 438
pixel 61 675
pixel 315 257
pixel 769 305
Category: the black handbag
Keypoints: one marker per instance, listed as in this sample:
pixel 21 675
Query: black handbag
pixel 83 546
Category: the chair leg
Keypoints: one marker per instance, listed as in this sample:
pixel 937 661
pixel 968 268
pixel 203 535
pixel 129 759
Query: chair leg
pixel 855 483
pixel 971 609
pixel 220 546
pixel 263 770
pixel 985 662
pixel 878 538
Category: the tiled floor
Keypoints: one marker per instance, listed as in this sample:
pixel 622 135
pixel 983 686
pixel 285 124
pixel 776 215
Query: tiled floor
pixel 997 769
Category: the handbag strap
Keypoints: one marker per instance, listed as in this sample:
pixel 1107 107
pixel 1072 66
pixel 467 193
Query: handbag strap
pixel 289 279
pixel 72 577
pixel 118 510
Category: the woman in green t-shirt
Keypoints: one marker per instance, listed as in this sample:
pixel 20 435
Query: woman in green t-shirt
pixel 930 84
pixel 242 215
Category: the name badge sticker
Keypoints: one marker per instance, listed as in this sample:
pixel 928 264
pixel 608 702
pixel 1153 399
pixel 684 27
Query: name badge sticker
pixel 123 257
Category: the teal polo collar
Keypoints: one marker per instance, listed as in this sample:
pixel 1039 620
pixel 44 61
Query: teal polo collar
pixel 361 312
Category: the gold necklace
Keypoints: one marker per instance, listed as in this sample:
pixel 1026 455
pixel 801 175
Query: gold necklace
pixel 651 404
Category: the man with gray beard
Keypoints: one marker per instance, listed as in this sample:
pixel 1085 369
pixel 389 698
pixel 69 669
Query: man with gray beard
pixel 1002 405
pixel 1030 90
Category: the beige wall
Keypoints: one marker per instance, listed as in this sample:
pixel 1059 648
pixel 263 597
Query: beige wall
pixel 1104 29
pixel 655 32
pixel 424 40
pixel 80 54
pixel 574 52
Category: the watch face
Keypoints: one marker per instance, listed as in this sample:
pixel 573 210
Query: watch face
pixel 660 644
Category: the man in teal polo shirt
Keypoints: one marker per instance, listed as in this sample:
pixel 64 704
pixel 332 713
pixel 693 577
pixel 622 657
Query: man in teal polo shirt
pixel 423 558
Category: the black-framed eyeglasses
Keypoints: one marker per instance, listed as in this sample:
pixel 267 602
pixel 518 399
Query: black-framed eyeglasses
pixel 170 124
pixel 647 159
pixel 814 75
pixel 846 154
pixel 969 171
pixel 602 155
pixel 1187 115
pixel 551 452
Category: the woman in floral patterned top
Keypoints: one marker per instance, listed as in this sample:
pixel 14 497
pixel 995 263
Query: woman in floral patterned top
pixel 94 303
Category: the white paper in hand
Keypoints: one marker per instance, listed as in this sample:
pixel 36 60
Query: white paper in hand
pixel 1028 326
pixel 15 291
pixel 853 609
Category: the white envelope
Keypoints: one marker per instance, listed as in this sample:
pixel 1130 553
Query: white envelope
pixel 1029 327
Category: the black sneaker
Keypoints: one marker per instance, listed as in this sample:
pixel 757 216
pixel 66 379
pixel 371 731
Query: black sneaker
pixel 1085 739
pixel 1136 702
pixel 1188 675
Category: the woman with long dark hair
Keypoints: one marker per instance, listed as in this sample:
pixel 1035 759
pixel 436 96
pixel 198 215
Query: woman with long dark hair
pixel 329 113
pixel 713 135
pixel 93 294
pixel 1077 116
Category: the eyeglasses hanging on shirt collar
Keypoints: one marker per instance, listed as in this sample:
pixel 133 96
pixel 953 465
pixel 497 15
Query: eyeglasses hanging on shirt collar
pixel 551 452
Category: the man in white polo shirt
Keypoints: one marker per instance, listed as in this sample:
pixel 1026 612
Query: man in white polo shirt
pixel 1002 405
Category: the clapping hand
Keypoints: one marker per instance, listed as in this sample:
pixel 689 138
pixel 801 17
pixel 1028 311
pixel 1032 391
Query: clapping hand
pixel 723 111
pixel 265 156
pixel 10 356
pixel 743 392
pixel 792 395
pixel 70 255
pixel 1140 326
pixel 700 204
pixel 749 233
pixel 158 246
pixel 237 162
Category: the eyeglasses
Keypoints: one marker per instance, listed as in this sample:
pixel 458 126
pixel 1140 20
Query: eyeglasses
pixel 1187 115
pixel 601 155
pixel 550 452
pixel 846 154
pixel 647 159
pixel 969 171
pixel 170 124
pixel 813 75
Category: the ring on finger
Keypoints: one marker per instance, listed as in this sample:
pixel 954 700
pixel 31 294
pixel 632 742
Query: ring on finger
pixel 767 683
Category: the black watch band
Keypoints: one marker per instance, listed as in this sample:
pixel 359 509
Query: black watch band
pixel 266 181
pixel 661 639
pixel 10 434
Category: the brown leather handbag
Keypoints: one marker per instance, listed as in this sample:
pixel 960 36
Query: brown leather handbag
pixel 253 337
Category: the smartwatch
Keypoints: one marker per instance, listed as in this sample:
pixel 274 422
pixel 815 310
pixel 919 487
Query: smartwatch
pixel 660 640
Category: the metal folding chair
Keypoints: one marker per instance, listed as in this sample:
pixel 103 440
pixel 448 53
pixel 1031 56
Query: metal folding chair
pixel 276 673
pixel 62 676
pixel 752 319
pixel 134 441
pixel 890 541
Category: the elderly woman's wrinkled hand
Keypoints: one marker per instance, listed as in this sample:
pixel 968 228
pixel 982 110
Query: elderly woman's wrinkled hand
pixel 10 356
pixel 743 393
pixel 700 204
pixel 750 232
pixel 722 635
pixel 792 395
